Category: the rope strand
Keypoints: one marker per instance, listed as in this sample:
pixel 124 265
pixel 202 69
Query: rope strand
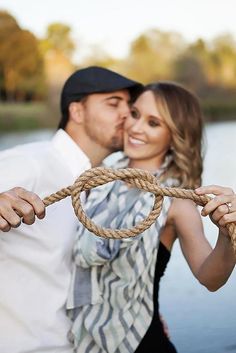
pixel 136 177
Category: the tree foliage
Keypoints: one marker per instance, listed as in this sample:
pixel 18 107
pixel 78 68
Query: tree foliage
pixel 152 53
pixel 27 64
pixel 223 60
pixel 190 68
pixel 58 39
pixel 21 64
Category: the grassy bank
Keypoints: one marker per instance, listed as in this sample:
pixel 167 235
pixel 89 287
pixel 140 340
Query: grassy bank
pixel 33 116
pixel 26 116
pixel 219 110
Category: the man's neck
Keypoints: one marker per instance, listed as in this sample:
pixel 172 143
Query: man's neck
pixel 93 151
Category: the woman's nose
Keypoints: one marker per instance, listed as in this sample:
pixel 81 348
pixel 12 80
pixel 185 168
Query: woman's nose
pixel 137 125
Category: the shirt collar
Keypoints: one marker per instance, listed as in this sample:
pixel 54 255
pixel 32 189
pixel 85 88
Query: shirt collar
pixel 71 153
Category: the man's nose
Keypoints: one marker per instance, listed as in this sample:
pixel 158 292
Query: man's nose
pixel 125 113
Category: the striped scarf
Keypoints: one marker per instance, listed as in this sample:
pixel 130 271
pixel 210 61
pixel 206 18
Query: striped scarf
pixel 111 295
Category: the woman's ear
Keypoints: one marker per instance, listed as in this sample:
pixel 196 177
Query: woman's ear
pixel 76 112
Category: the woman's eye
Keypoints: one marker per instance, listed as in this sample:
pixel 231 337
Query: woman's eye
pixel 135 114
pixel 153 123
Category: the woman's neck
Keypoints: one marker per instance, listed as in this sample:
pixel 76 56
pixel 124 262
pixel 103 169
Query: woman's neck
pixel 146 165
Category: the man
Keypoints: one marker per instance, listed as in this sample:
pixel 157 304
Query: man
pixel 35 261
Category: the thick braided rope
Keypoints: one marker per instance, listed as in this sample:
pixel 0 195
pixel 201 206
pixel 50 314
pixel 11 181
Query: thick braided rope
pixel 137 178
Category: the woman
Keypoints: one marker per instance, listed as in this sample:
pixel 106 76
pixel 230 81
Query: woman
pixel 111 301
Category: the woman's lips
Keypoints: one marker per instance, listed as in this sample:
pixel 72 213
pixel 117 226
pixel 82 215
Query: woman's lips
pixel 135 141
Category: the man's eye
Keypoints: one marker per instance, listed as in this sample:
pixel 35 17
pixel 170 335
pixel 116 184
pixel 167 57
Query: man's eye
pixel 114 103
pixel 134 113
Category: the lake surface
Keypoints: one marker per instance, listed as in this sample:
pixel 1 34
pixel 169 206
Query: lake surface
pixel 199 321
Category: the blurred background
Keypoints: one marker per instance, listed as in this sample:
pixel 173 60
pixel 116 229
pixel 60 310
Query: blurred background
pixel 193 43
pixel 148 40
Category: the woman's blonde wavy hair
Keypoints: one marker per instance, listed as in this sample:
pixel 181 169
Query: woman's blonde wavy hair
pixel 182 113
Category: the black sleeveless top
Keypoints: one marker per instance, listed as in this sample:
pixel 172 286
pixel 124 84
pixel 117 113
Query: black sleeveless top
pixel 155 339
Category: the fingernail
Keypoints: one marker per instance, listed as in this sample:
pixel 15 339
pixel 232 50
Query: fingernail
pixel 41 216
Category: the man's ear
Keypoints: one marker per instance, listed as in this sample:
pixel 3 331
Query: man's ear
pixel 76 112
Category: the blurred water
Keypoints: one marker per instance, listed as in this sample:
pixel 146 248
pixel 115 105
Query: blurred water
pixel 12 139
pixel 199 321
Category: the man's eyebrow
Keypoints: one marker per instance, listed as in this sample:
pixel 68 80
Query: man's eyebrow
pixel 114 97
pixel 118 98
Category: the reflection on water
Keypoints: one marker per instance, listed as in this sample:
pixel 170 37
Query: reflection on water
pixel 199 321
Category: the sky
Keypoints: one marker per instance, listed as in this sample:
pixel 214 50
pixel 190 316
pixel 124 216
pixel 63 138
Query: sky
pixel 114 24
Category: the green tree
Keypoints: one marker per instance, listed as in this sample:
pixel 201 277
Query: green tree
pixel 58 39
pixel 152 54
pixel 21 64
pixel 189 71
pixel 223 60
pixel 191 68
pixel 8 27
pixel 57 49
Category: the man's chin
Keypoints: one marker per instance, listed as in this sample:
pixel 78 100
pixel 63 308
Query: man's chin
pixel 117 144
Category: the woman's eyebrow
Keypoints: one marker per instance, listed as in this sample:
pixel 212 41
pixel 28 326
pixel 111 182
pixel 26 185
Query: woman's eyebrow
pixel 159 119
pixel 155 117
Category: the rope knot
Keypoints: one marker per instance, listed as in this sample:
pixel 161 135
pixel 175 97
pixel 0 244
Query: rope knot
pixel 138 178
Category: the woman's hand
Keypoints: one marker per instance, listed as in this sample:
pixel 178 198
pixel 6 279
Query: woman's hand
pixel 222 208
pixel 217 267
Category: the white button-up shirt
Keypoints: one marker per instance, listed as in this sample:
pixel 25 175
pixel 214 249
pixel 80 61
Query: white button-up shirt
pixel 35 261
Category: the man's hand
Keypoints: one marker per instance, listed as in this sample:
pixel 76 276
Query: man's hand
pixel 18 205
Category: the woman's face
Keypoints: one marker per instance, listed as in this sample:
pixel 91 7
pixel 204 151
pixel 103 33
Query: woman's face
pixel 146 135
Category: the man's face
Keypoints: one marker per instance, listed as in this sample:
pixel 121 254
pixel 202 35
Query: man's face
pixel 104 116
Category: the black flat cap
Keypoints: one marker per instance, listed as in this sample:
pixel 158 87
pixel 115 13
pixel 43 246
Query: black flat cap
pixel 95 79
